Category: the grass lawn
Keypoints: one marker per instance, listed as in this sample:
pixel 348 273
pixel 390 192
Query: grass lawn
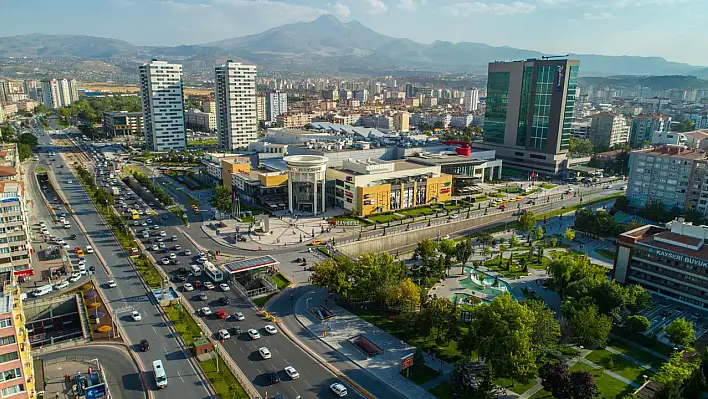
pixel 442 391
pixel 426 210
pixel 420 374
pixel 650 343
pixel 567 351
pixel 515 271
pixel 548 186
pixel 518 387
pixel 224 382
pixel 203 142
pixel 147 269
pixel 280 281
pixel 509 190
pixel 41 170
pixel 480 198
pixel 383 218
pixel 542 394
pixel 260 302
pixel 618 364
pixel 609 387
pixel 570 208
pixel 636 353
pixel 610 255
pixel 184 324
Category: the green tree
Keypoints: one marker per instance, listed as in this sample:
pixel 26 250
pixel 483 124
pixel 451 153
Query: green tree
pixel 7 132
pixel 514 241
pixel 449 249
pixel 569 234
pixel 588 327
pixel 637 323
pixel 527 222
pixel 463 252
pixel 676 370
pixel 546 330
pixel 621 204
pixel 680 332
pixel 29 139
pixel 103 198
pixel 685 125
pixel 580 146
pixel 221 199
pixel 538 234
pixel 405 294
pixel 570 267
pixel 333 276
pixel 554 242
pixel 24 151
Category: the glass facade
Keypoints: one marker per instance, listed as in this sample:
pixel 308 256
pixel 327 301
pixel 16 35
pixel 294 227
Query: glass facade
pixel 569 108
pixel 497 102
pixel 526 86
pixel 542 106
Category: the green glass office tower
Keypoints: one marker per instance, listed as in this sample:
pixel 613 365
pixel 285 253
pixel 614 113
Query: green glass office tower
pixel 529 110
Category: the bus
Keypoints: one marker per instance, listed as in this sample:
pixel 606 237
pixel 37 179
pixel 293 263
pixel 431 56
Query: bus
pixel 135 215
pixel 160 375
pixel 213 272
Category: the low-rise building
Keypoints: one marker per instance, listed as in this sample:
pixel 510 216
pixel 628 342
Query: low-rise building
pixel 123 123
pixel 376 121
pixel 197 120
pixel 375 186
pixel 669 262
pixel 262 187
pixel 10 110
pixel 293 120
pixel 480 164
pixel 264 147
pixel 26 105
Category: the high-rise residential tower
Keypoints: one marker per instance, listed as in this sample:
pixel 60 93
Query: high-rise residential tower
pixel 236 117
pixel 51 93
pixel 276 104
pixel 529 111
pixel 643 126
pixel 471 99
pixel 163 105
pixel 5 91
pixel 64 92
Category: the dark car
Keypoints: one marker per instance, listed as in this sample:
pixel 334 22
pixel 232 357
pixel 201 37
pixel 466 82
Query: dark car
pixel 273 377
pixel 182 270
pixel 234 331
pixel 174 261
pixel 223 301
pixel 72 237
pixel 144 345
pixel 92 268
pixel 181 279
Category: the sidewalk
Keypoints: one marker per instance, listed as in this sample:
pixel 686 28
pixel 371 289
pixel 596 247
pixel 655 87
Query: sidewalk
pixel 386 366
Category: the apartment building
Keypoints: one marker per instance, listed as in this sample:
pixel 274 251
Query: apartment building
pixel 471 99
pixel 643 126
pixel 670 262
pixel 123 123
pixel 261 107
pixel 608 129
pixel 276 104
pixel 51 96
pixel 5 91
pixel 293 120
pixel 202 121
pixel 402 122
pixel 235 94
pixel 163 105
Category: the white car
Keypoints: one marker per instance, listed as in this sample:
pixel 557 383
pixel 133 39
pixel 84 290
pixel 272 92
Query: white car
pixel 608 186
pixel 239 316
pixel 187 252
pixel 271 330
pixel 187 287
pixel 61 285
pixel 136 223
pixel 112 284
pixel 163 234
pixel 165 260
pixel 265 353
pixel 223 334
pixel 70 181
pixel 155 247
pixel 82 262
pixel 75 277
pixel 173 256
pixel 253 334
pixel 224 287
pixel 209 285
pixel 89 249
pixel 161 245
pixel 136 315
pixel 65 245
pixel 338 389
pixel 202 255
pixel 205 311
pixel 623 188
pixel 292 373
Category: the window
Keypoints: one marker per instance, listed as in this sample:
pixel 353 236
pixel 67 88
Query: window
pixel 8 357
pixel 10 374
pixel 13 390
pixel 10 339
pixel 6 322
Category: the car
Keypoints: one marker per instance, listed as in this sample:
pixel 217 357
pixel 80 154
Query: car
pixel 173 256
pixel 187 287
pixel 271 330
pixel 163 234
pixel 159 239
pixel 338 389
pixel 187 252
pixel 273 377
pixel 623 188
pixel 608 186
pixel 203 296
pixel 223 334
pixel 209 285
pixel 174 238
pixel 235 330
pixel 197 284
pixel 61 285
pixel 136 223
pixel 177 247
pixel 253 334
pixel 111 284
pixel 265 353
pixel 144 345
pixel 150 221
pixel 65 245
pixel 205 311
pixel 162 245
pixel 202 255
pixel 239 316
pixel 155 247
pixel 144 223
pixel 75 277
pixel 220 314
pixel 82 262
pixel 224 287
pixel 77 249
pixel 292 373
pixel 317 242
pixel 174 261
pixel 451 217
pixel 165 260
pixel 92 268
pixel 70 181
pixel 136 315
pixel 89 249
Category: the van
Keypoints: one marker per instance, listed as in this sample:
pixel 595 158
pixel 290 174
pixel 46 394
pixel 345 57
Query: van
pixel 160 375
pixel 196 271
pixel 43 290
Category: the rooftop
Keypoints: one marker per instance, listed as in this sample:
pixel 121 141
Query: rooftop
pixel 674 151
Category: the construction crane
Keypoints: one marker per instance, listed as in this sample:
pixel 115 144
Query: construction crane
pixel 548 57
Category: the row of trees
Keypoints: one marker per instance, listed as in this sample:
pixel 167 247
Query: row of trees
pixel 91 109
pixel 156 190
pixel 598 222
pixel 437 257
pixel 104 200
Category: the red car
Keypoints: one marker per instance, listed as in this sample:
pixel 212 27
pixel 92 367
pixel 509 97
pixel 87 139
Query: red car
pixel 197 284
pixel 220 314
pixel 76 249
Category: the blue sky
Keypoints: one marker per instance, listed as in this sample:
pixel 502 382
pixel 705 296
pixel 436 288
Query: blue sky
pixel 672 29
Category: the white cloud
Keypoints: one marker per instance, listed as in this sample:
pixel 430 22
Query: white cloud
pixel 411 5
pixel 339 10
pixel 598 15
pixel 466 9
pixel 375 6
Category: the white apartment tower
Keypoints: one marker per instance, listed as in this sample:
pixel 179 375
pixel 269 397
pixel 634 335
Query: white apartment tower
pixel 51 96
pixel 163 105
pixel 236 115
pixel 64 92
pixel 276 104
pixel 471 99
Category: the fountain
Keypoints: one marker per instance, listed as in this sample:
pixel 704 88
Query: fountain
pixel 482 282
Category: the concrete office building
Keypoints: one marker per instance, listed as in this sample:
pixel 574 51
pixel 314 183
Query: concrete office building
pixel 236 116
pixel 202 121
pixel 471 99
pixel 402 121
pixel 643 126
pixel 163 105
pixel 51 96
pixel 276 104
pixel 123 123
pixel 607 129
pixel 529 111
pixel 669 262
pixel 306 183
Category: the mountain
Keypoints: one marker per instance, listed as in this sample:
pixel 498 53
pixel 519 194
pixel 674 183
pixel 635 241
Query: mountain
pixel 327 45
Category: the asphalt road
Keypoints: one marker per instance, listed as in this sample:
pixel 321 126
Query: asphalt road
pixel 129 293
pixel 122 375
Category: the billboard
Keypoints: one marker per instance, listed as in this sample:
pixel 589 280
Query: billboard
pixel 96 391
pixel 406 361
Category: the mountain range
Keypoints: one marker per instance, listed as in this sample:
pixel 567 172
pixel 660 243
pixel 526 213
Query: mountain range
pixel 327 45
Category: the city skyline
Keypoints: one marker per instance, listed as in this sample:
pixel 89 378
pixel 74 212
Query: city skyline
pixel 566 23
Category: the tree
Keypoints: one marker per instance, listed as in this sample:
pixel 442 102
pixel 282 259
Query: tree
pixel 680 332
pixel 580 146
pixel 582 385
pixel 555 378
pixel 637 324
pixel 485 238
pixel 463 252
pixel 514 241
pixel 438 125
pixel 685 125
pixel 538 234
pixel 221 199
pixel 103 198
pixel 554 242
pixel 527 221
pixel 676 370
pixel 588 327
pixel 332 275
pixel 570 267
pixel 405 294
pixel 29 139
pixel 621 204
pixel 448 249
pixel 671 390
pixel 569 234
pixel 546 330
pixel 7 132
pixel 24 151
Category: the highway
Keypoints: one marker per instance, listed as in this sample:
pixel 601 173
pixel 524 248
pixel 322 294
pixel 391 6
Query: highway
pixel 122 376
pixel 129 293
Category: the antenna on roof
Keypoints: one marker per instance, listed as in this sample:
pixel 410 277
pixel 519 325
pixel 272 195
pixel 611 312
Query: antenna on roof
pixel 548 57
